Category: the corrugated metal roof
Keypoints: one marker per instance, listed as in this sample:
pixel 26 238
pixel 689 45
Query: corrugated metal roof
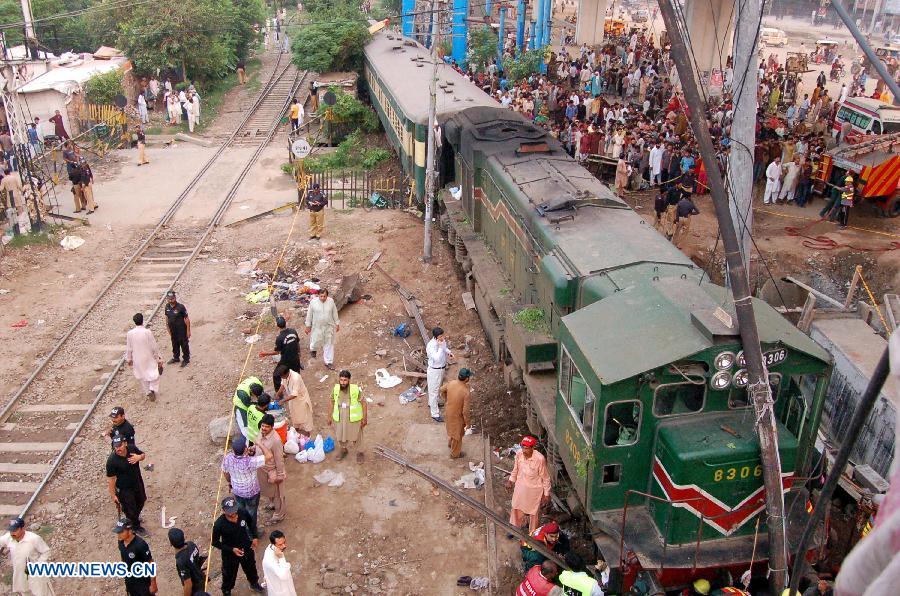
pixel 66 79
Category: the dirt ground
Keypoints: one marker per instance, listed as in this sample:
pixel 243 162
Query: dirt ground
pixel 364 537
pixel 359 534
pixel 870 241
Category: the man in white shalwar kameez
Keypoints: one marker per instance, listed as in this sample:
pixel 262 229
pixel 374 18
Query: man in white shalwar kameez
pixel 276 568
pixel 24 547
pixel 142 355
pixel 322 323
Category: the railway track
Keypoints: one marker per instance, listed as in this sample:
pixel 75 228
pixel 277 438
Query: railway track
pixel 42 419
pixel 255 128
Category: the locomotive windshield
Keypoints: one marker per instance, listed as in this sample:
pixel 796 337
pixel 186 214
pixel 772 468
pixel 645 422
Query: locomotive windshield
pixel 679 398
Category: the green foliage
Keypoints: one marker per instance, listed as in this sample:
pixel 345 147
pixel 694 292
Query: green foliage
pixel 332 41
pixel 74 33
pixel 350 110
pixel 350 153
pixel 384 9
pixel 532 319
pixel 521 67
pixel 482 47
pixel 103 88
pixel 372 156
pixel 288 168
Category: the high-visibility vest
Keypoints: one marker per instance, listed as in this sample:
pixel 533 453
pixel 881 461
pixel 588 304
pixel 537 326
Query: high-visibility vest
pixel 581 582
pixel 254 416
pixel 356 410
pixel 535 584
pixel 245 387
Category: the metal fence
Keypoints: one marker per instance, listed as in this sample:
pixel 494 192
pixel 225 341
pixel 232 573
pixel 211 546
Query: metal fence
pixel 348 189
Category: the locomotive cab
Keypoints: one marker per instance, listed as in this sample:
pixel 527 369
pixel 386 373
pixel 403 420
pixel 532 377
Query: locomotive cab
pixel 658 435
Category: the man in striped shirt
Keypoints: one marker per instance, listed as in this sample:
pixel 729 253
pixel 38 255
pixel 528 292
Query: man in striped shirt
pixel 239 467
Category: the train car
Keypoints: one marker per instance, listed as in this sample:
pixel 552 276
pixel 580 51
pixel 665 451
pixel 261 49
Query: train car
pixel 629 361
pixel 398 73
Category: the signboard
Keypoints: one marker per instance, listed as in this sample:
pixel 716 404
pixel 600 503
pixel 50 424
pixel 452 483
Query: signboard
pixel 891 7
pixel 300 148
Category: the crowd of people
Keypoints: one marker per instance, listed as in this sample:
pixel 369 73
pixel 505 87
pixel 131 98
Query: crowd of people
pixel 616 107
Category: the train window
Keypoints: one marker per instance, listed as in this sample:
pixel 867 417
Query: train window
pixel 577 394
pixel 798 386
pixel 612 473
pixel 623 423
pixel 565 374
pixel 738 397
pixel 678 398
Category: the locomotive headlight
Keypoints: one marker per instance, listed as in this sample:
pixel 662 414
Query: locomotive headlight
pixel 720 380
pixel 724 361
pixel 740 359
pixel 741 378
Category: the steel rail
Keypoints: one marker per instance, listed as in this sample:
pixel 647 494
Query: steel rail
pixel 165 219
pixel 213 223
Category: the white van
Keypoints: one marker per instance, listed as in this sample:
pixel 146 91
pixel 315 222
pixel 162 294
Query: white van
pixel 867 116
pixel 773 37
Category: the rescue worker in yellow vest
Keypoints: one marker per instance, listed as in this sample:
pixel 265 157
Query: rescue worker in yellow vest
pixel 576 580
pixel 243 402
pixel 847 194
pixel 349 414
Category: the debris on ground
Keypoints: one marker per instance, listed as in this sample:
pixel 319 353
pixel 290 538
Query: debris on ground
pixel 71 242
pixel 474 479
pixel 386 380
pixel 218 429
pixel 411 394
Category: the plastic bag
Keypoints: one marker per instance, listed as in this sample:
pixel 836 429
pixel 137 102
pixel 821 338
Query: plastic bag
pixel 291 447
pixel 330 478
pixel 328 445
pixel 317 454
pixel 410 395
pixel 302 457
pixel 386 380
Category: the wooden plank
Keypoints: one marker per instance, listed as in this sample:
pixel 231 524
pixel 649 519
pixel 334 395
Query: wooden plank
pixel 414 375
pixel 24 468
pixel 55 408
pixel 19 487
pixel 807 314
pixel 374 260
pixel 24 447
pixel 468 300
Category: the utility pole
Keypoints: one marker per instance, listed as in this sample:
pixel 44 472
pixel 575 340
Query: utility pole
pixel 743 127
pixel 29 28
pixel 432 116
pixel 758 387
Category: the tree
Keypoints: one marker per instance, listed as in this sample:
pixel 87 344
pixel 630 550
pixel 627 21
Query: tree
pixel 522 66
pixel 332 41
pixel 247 14
pixel 103 88
pixel 198 37
pixel 482 47
pixel 72 33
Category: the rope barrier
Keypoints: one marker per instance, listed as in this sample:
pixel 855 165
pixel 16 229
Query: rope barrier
pixel 872 298
pixel 250 349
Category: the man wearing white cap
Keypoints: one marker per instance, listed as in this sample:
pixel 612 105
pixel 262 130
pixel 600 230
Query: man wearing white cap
pixel 142 355
pixel 24 547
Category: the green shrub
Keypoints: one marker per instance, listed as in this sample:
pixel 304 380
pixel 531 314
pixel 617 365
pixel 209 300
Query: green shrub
pixel 104 87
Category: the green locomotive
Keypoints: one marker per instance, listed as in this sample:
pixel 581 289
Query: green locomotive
pixel 630 362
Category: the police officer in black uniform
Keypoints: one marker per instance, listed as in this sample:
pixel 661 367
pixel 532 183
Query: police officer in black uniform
pixel 188 562
pixel 235 534
pixel 120 427
pixel 179 325
pixel 288 345
pixel 134 549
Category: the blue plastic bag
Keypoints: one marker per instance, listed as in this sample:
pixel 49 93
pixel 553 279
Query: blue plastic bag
pixel 328 445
